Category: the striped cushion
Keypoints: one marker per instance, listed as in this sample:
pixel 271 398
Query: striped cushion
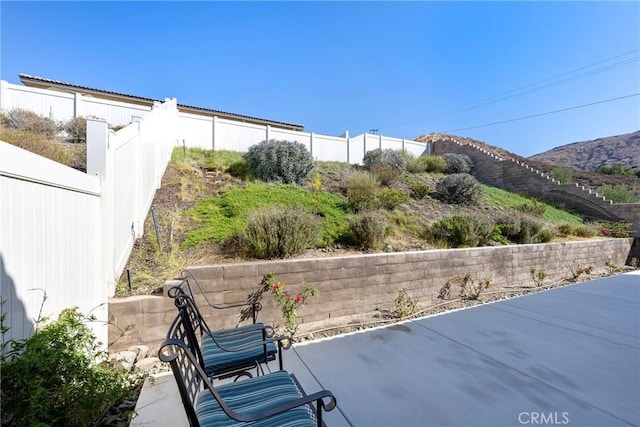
pixel 217 360
pixel 251 396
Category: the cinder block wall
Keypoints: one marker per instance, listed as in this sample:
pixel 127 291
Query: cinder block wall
pixel 351 285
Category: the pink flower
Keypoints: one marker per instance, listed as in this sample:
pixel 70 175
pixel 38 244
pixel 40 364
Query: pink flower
pixel 298 298
pixel 275 287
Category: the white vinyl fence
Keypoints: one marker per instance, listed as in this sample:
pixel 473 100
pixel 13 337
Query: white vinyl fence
pixel 69 234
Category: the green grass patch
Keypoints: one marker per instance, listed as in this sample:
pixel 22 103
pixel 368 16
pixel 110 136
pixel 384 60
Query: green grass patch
pixel 511 200
pixel 206 159
pixel 226 216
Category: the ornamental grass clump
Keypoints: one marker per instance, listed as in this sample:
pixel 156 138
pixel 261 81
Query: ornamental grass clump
pixel 362 191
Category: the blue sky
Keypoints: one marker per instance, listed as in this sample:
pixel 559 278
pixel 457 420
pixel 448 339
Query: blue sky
pixel 405 69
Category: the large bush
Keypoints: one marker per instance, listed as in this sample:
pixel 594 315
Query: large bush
pixel 522 229
pixel 279 161
pixel 76 129
pixel 362 191
pixel 29 121
pixel 368 229
pixel 459 188
pixel 460 231
pixel 280 232
pixel 562 174
pixel 59 377
pixel 457 163
pixel 386 165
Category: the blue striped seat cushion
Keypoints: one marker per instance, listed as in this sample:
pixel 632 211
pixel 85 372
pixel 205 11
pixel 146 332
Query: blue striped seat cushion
pixel 217 360
pixel 251 396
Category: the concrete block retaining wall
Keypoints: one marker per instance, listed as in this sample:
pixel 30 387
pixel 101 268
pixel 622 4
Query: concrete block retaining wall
pixel 349 286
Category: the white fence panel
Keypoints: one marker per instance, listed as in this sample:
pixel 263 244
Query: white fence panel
pixel 196 130
pixel 417 148
pixel 238 136
pixel 57 106
pixel 290 135
pixel 330 148
pixel 114 112
pixel 50 229
pixel 356 149
pixel 391 143
pixel 371 142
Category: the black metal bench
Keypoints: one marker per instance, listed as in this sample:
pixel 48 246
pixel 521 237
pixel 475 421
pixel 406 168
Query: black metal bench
pixel 273 399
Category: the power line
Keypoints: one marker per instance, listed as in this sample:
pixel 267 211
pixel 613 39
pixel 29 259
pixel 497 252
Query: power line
pixel 513 92
pixel 543 114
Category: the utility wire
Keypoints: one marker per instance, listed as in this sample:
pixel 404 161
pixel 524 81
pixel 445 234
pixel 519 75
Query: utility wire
pixel 513 92
pixel 543 114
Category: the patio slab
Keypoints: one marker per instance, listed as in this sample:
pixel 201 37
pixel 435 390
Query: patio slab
pixel 568 356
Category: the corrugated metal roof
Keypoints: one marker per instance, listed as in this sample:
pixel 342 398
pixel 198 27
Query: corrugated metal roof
pixel 29 80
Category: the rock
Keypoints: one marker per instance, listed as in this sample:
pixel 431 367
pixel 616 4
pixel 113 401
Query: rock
pixel 152 365
pixel 141 350
pixel 125 359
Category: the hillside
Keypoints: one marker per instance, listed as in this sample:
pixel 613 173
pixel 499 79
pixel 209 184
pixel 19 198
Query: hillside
pixel 586 178
pixel 590 155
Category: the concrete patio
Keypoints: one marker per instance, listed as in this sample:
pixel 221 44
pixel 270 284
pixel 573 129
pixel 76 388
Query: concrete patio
pixel 567 356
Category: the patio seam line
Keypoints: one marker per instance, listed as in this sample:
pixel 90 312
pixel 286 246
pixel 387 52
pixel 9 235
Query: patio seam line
pixel 321 386
pixel 570 329
pixel 571 396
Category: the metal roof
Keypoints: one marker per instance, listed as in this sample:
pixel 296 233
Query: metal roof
pixel 43 82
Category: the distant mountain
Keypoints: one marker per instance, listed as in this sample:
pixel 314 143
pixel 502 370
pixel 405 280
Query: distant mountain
pixel 590 155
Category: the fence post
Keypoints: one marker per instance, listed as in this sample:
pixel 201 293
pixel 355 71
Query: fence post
pixel 403 140
pixel 267 130
pixel 77 105
pixel 311 144
pixel 364 143
pixel 5 102
pixel 380 141
pixel 213 132
pixel 348 149
pixel 100 164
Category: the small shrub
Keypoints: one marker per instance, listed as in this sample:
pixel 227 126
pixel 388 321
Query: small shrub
pixel 386 165
pixel 280 232
pixel 316 185
pixel 287 303
pixel 459 188
pixel 542 236
pixel 619 230
pixel 368 229
pixel 578 270
pixel 613 267
pixel 404 305
pixel 362 191
pixel 620 193
pixel 460 231
pixel 445 291
pixel 420 189
pixel 390 198
pixel 25 120
pixel 538 276
pixel 238 169
pixel 416 165
pixel 469 288
pixel 562 174
pixel 76 129
pixel 434 164
pixel 535 208
pixel 457 163
pixel 583 231
pixel 58 376
pixel 279 161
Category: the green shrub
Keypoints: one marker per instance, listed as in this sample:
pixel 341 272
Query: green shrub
pixel 578 230
pixel 461 231
pixel 238 169
pixel 415 165
pixel 434 164
pixel 76 129
pixel 390 198
pixel 368 229
pixel 535 208
pixel 386 165
pixel 280 232
pixel 457 163
pixel 279 161
pixel 562 174
pixel 459 188
pixel 404 305
pixel 362 191
pixel 619 229
pixel 616 169
pixel 58 376
pixel 29 121
pixel 542 236
pixel 620 193
pixel 420 189
pixel 565 229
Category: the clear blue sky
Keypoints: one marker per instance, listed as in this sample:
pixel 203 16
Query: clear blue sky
pixel 336 66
